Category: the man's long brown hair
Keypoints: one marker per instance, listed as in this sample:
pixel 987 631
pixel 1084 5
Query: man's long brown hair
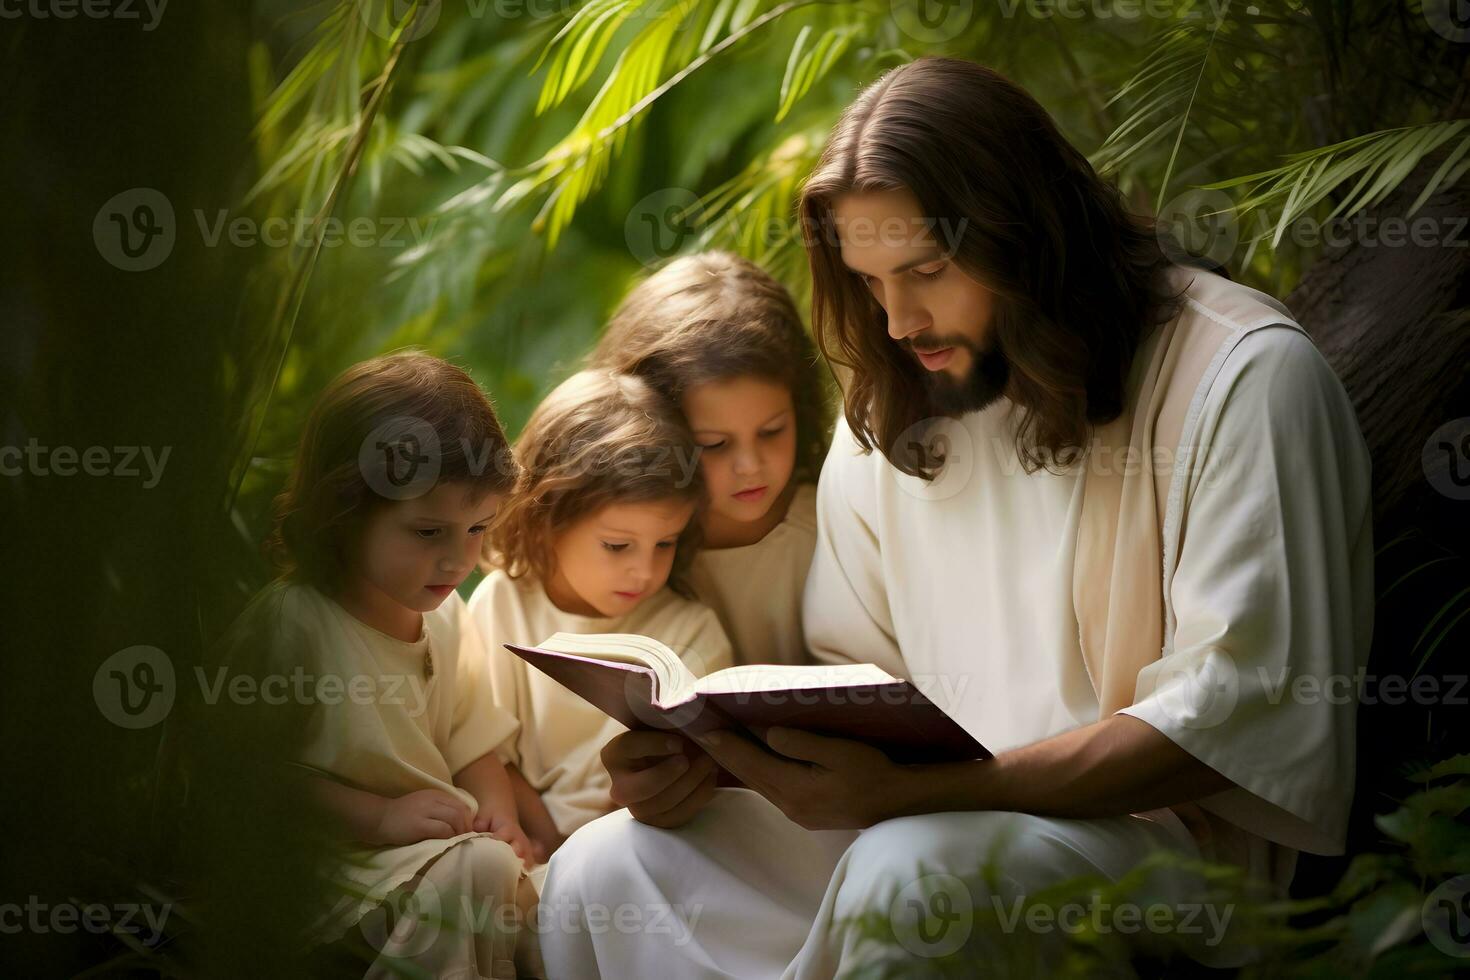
pixel 1078 281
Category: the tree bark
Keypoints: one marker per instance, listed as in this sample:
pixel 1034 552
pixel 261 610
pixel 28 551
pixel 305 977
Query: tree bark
pixel 1391 319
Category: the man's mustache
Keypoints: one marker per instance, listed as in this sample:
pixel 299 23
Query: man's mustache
pixel 937 344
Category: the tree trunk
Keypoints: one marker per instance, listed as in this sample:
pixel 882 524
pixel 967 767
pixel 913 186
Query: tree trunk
pixel 1391 319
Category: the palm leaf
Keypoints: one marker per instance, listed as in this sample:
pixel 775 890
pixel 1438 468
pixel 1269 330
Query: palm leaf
pixel 741 213
pixel 573 169
pixel 293 292
pixel 1163 95
pixel 807 65
pixel 580 45
pixel 1380 161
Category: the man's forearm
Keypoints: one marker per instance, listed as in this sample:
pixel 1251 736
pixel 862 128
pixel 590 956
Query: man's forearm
pixel 1116 766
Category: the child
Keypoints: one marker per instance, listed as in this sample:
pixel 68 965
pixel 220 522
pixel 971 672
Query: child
pixel 722 340
pixel 401 467
pixel 594 539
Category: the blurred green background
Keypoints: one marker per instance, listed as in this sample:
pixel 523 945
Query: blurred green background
pixel 491 176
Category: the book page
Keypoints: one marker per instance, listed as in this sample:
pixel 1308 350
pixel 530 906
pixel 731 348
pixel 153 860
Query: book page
pixel 750 678
pixel 626 648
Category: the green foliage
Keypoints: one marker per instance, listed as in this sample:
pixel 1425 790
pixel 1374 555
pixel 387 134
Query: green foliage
pixel 1371 924
pixel 524 146
pixel 547 130
pixel 1380 162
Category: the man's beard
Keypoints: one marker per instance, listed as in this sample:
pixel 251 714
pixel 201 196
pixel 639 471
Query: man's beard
pixel 981 385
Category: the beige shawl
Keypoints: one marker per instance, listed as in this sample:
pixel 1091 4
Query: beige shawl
pixel 1137 472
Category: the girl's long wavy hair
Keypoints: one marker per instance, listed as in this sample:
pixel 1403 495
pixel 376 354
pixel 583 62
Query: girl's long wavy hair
pixel 601 437
pixel 714 316
pixel 331 490
pixel 1079 281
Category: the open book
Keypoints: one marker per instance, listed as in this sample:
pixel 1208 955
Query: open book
pixel 643 684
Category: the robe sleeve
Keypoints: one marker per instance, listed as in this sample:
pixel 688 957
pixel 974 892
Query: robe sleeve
pixel 845 612
pixel 478 725
pixel 1272 596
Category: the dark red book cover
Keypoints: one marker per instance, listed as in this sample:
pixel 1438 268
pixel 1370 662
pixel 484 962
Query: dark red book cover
pixel 894 717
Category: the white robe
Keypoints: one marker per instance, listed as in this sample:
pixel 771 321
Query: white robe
pixel 965 586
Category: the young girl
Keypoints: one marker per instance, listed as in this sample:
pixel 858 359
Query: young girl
pixel 722 339
pixel 594 539
pixel 400 470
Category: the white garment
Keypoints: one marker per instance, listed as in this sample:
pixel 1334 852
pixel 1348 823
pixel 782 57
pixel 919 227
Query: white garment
pixel 756 589
pixel 1274 578
pixel 965 586
pixel 742 893
pixel 559 742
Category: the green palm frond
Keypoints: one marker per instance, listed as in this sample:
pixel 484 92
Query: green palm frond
pixel 1162 95
pixel 573 169
pixel 314 145
pixel 311 114
pixel 753 213
pixel 580 45
pixel 811 60
pixel 580 164
pixel 302 258
pixel 1380 161
pixel 327 79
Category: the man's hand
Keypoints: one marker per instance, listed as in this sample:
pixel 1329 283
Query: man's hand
pixel 819 782
pixel 662 778
pixel 1113 767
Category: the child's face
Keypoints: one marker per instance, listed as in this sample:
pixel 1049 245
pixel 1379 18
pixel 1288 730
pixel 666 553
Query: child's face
pixel 746 430
pixel 614 558
pixel 415 552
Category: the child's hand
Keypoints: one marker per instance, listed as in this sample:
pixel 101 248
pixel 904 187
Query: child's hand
pixel 422 815
pixel 544 847
pixel 510 831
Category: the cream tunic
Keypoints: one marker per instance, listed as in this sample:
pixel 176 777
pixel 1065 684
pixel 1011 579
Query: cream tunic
pixel 756 589
pixel 558 748
pixel 375 722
